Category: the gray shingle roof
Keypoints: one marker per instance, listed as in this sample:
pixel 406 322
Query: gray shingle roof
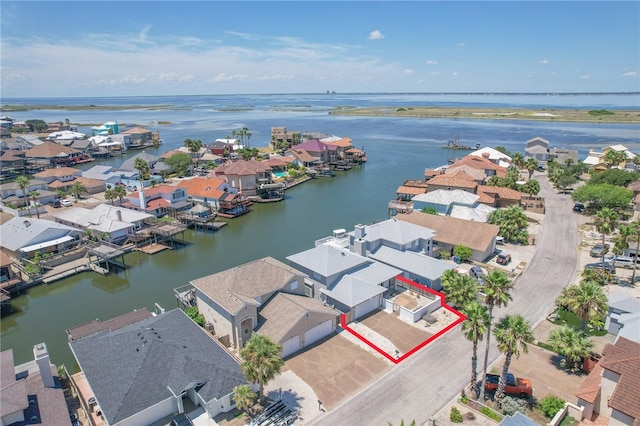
pixel 327 260
pixel 139 365
pixel 21 232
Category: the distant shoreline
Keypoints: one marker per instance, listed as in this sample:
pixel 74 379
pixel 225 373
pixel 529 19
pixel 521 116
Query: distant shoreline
pixel 487 113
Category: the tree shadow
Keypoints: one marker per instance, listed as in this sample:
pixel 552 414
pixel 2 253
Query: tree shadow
pixel 290 398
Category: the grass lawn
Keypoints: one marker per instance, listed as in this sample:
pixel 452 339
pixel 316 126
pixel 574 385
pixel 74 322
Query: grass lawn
pixel 564 317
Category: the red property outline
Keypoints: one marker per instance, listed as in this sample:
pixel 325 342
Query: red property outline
pixel 461 317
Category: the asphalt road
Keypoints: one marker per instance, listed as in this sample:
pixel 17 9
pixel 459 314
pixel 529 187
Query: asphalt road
pixel 420 386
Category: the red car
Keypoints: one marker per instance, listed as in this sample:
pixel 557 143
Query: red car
pixel 503 259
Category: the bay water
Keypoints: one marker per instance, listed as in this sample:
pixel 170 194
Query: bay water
pixel 397 149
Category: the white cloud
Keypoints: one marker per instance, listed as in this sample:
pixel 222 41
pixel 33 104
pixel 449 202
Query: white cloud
pixel 431 62
pixel 544 61
pixel 143 34
pixel 375 35
pixel 630 74
pixel 407 71
pixel 434 73
pixel 461 44
pixel 585 77
pixel 172 76
pixel 455 73
pixel 228 77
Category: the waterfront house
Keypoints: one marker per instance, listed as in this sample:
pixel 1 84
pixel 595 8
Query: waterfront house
pixel 51 154
pixel 348 282
pixel 108 175
pixel 23 238
pixel 564 156
pixel 611 391
pixel 157 200
pixel 230 300
pixel 31 393
pixel 595 158
pixel 341 144
pixel 140 138
pixel 108 128
pixel 482 163
pixel 451 181
pixel 62 178
pixel 115 224
pixel 537 148
pixel 302 158
pixel 10 276
pixel 245 175
pixel 499 196
pixel 224 147
pixel 451 231
pixel 326 152
pixel 295 321
pixel 456 203
pixel 142 369
pixel 206 191
pixel 65 137
pixel 493 155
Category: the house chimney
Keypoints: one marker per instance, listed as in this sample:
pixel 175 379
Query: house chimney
pixel 42 359
pixel 359 232
pixel 143 204
pixel 485 155
pixel 119 215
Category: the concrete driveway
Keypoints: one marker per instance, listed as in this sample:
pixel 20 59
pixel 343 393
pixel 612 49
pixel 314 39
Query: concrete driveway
pixel 336 369
pixel 403 336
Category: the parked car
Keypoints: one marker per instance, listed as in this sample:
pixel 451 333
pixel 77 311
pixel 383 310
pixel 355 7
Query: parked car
pixel 625 262
pixel 514 386
pixel 598 250
pixel 503 259
pixel 65 202
pixel 608 266
pixel 476 272
pixel 181 420
pixel 578 207
pixel 55 204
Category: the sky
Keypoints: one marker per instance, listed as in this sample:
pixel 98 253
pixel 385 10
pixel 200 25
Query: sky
pixel 149 48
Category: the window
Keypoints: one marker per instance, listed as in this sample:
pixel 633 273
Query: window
pixel 294 285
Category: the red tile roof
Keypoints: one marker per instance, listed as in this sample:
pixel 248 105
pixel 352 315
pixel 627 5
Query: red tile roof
pixel 411 190
pixel 242 168
pixel 59 171
pixel 455 180
pixel 203 187
pixel 623 358
pixel 480 163
pixel 590 387
pixel 500 191
pixel 49 150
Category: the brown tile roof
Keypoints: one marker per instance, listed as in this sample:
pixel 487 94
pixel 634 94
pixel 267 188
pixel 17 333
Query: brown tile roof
pixel 242 168
pixel 233 288
pixel 353 151
pixel 451 230
pixel 95 326
pixel 203 187
pixel 5 260
pixel 274 162
pixel 479 163
pixel 303 155
pixel 49 150
pixel 170 153
pixel 59 171
pixel 475 174
pixel 411 190
pixel 342 143
pixel 284 311
pixel 160 189
pixel 137 130
pixel 623 358
pixel 12 155
pixel 500 191
pixel 432 172
pixel 590 387
pixel 455 180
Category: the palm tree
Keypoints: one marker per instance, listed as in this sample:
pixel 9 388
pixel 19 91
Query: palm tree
pixel 474 327
pixel 625 233
pixel 120 192
pixel 568 162
pixel 605 221
pixel 33 195
pixel 496 289
pixel 613 158
pixel 243 396
pixel 586 300
pixel 413 423
pixel 555 174
pixel 512 333
pixel 143 168
pixel 531 164
pixel 517 159
pixel 635 237
pixel 78 189
pixel 110 195
pixel 572 344
pixel 461 290
pixel 23 184
pixel 261 361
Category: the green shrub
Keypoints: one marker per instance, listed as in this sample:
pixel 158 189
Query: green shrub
pixel 550 405
pixel 196 316
pixel 455 416
pixel 491 414
pixel 511 405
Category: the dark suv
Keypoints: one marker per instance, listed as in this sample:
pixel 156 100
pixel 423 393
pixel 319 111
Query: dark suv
pixel 578 207
pixel 181 420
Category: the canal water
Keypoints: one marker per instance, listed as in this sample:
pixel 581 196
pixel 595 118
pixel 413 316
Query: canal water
pixel 397 149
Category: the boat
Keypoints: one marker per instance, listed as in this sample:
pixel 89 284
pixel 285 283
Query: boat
pixel 455 144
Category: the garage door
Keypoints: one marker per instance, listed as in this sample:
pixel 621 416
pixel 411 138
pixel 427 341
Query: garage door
pixel 290 346
pixel 366 307
pixel 318 332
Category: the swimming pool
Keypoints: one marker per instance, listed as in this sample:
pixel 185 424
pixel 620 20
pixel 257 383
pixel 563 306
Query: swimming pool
pixel 280 174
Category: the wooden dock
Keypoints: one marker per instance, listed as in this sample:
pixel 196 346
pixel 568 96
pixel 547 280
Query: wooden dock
pixel 152 248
